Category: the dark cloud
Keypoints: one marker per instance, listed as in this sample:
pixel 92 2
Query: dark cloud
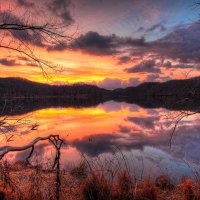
pixel 8 62
pixel 159 27
pixel 148 122
pixel 124 59
pixel 29 37
pixel 26 36
pixel 22 58
pixel 61 8
pixel 27 61
pixel 61 46
pixel 96 44
pixel 16 62
pixel 144 66
pixel 182 44
pixel 8 17
pixel 124 129
pixel 153 67
pixel 156 27
pixel 96 144
pixel 140 29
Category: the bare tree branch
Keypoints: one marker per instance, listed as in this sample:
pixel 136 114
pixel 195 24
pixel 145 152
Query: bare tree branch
pixel 6 149
pixel 21 34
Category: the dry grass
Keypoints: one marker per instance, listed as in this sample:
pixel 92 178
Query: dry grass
pixel 21 182
pixel 147 191
pixel 164 182
pixel 96 187
pixel 80 171
pixel 25 183
pixel 124 187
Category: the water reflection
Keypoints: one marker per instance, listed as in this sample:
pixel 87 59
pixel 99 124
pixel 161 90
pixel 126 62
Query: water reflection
pixel 142 134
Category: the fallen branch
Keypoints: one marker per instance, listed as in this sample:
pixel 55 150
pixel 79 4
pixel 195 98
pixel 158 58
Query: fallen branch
pixel 57 144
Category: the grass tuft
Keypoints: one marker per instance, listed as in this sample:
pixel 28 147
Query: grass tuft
pixel 164 183
pixel 80 171
pixel 96 187
pixel 147 191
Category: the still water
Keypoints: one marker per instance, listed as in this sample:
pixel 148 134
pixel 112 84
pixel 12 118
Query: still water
pixel 135 137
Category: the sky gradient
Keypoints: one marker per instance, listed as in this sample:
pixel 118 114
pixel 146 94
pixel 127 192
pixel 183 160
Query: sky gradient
pixel 115 43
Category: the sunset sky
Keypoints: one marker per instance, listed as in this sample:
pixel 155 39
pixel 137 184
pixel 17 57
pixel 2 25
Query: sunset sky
pixel 115 43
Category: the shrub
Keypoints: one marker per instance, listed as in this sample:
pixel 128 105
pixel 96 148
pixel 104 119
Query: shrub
pixel 186 186
pixel 80 171
pixel 147 191
pixel 96 187
pixel 164 182
pixel 123 189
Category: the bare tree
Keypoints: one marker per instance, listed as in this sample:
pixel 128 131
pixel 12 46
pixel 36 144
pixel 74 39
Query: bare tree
pixel 22 33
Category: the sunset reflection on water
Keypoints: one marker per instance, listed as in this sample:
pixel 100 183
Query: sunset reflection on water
pixel 142 135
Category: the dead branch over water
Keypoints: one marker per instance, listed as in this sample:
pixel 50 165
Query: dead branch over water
pixel 54 139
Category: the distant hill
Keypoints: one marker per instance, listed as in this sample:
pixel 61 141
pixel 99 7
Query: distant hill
pixel 17 87
pixel 173 95
pixel 22 88
pixel 187 87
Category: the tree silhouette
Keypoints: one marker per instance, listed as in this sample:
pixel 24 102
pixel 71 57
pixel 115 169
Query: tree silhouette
pixel 22 33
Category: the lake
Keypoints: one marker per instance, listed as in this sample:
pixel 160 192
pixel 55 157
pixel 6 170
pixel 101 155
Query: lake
pixel 109 134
